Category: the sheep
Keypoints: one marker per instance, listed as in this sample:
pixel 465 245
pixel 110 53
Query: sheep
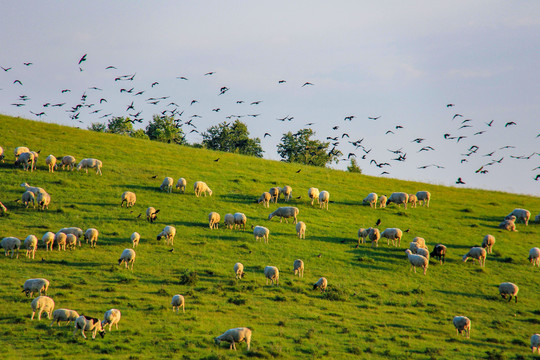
pixel 239 270
pixel 271 273
pixel 177 302
pixel 48 240
pixel 26 159
pixel 168 233
pixel 64 315
pixel 286 191
pixel 11 244
pixel 36 190
pixel 92 236
pixel 423 197
pixel 374 235
pixel 476 253
pixel 313 194
pixel 265 199
pixel 488 242
pixel 181 185
pixel 200 187
pixel 417 260
pixel 129 198
pixel 412 200
pixel 301 229
pixel 1 154
pixel 40 304
pixel 274 194
pixel 60 239
pixel 298 267
pixel 111 317
pixel 30 243
pixel 362 235
pixel 535 343
pixel 520 214
pixel 135 238
pixel 213 220
pixel 439 251
pixel 228 220
pixel 240 220
pixel 43 200
pixel 285 213
pixel 19 150
pixel 128 256
pixel 398 198
pixel 534 256
pixel 321 284
pixel 167 184
pixel 462 324
pixel 261 232
pixel 51 163
pixel 28 197
pixel 68 161
pixel 382 201
pixel 324 198
pixel 508 289
pixel 71 241
pixel 393 234
pixel 423 251
pixel 3 209
pixel 75 231
pixel 92 164
pixel 508 224
pixel 38 285
pixel 88 323
pixel 151 214
pixel 233 336
pixel 371 199
pixel 419 241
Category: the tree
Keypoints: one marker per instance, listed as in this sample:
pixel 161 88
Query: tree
pixel 354 168
pixel 165 129
pixel 232 138
pixel 120 125
pixel 298 147
pixel 98 127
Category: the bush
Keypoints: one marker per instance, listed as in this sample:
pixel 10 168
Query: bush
pixel 189 277
pixel 336 293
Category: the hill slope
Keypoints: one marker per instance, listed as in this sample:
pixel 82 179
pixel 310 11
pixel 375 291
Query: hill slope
pixel 376 307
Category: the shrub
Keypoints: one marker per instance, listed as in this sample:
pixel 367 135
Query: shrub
pixel 189 277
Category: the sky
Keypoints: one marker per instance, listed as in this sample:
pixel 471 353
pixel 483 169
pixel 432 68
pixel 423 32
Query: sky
pixel 400 62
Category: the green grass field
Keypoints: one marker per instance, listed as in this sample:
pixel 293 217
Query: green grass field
pixel 375 307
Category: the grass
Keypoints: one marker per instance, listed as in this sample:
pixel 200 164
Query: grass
pixel 375 307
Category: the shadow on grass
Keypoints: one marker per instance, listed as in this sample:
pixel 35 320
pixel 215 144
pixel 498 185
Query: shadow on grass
pixel 239 198
pixel 464 294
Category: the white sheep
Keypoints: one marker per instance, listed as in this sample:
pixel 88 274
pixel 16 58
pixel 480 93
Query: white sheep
pixel 40 304
pixel 75 231
pixel 128 256
pixel 239 270
pixel 439 251
pixel 151 214
pixel 419 241
pixel 234 336
pixel 129 198
pixel 30 243
pixel 271 273
pixel 362 235
pixel 68 161
pixel 286 191
pixel 181 185
pixel 313 194
pixel 382 201
pixel 260 232
pixel 92 236
pixel 88 323
pixel 398 198
pixel 412 200
pixel 321 284
pixel 177 302
pixel 462 324
pixel 476 253
pixel 488 242
pixel 64 315
pixel 71 241
pixel 36 190
pixel 51 163
pixel 168 233
pixel 2 154
pixel 535 343
pixel 324 199
pixel 39 286
pixel 228 220
pixel 11 244
pixel 167 184
pixel 200 187
pixel 240 220
pixel 374 235
pixel 111 317
pixel 60 239
pixel 520 214
pixel 417 261
pixel 19 150
pixel 508 289
pixel 298 267
pixel 28 197
pixel 48 240
pixel 285 213
pixel 26 159
pixel 43 200
pixel 90 164
pixel 371 199
pixel 534 256
pixel 423 251
pixel 135 238
pixel 508 223
pixel 423 197
pixel 265 199
pixel 301 230
pixel 393 234
pixel 274 194
pixel 213 220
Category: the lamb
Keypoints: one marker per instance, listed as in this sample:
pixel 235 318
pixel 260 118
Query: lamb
pixel 374 235
pixel 68 161
pixel 285 213
pixel 181 185
pixel 439 251
pixel 11 244
pixel 38 285
pixel 88 323
pixel 92 164
pixel 321 284
pixel 371 199
pixel 240 220
pixel 28 197
pixel 26 159
pixel 324 198
pixel 128 256
pixel 488 242
pixel 298 267
pixel 412 200
pixel 168 233
pixel 423 197
pixel 60 239
pixel 48 240
pixel 51 163
pixel 30 243
pixel 64 315
pixel 271 273
pixel 71 241
pixel 398 198
pixel 265 199
pixel 393 234
pixel 167 184
pixel 135 238
pixel 535 343
pixel 534 256
pixel 92 236
pixel 417 261
pixel 177 302
pixel 111 317
pixel 40 304
pixel 508 224
pixel 508 289
pixel 129 198
pixel 228 220
pixel 151 214
pixel 200 187
pixel 213 220
pixel 382 201
pixel 301 229
pixel 75 231
pixel 43 200
pixel 476 253
pixel 313 194
pixel 36 190
pixel 274 194
pixel 462 324
pixel 261 232
pixel 520 214
pixel 239 270
pixel 233 336
pixel 287 192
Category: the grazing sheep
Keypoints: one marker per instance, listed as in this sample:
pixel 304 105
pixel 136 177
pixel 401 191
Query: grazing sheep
pixel 26 159
pixel 28 197
pixel 36 190
pixel 41 304
pixel 151 214
pixel 168 233
pixel 398 198
pixel 508 223
pixel 71 241
pixel 68 161
pixel 177 302
pixel 200 187
pixel 92 236
pixel 287 192
pixel 75 231
pixel 39 286
pixel 90 164
pixel 476 253
pixel 274 194
pixel 51 163
pixel 60 239
pixel 239 270
pixel 43 200
pixel 128 256
pixel 423 197
pixel 271 273
pixel 1 154
pixel 535 343
pixel 135 238
pixel 412 200
pixel 298 267
pixel 324 198
pixel 234 336
pixel 19 150
pixel 213 220
pixel 11 244
pixel 417 243
pixel 129 198
pixel 265 199
pixel 167 184
pixel 30 243
pixel 64 315
pixel 111 317
pixel 462 324
pixel 362 235
pixel 301 229
pixel 48 240
pixel 393 234
pixel 520 214
pixel 382 201
pixel 508 289
pixel 321 284
pixel 228 220
pixel 534 256
pixel 260 232
pixel 88 323
pixel 374 235
pixel 285 213
pixel 488 242
pixel 313 194
pixel 371 199
pixel 423 251
pixel 417 261
pixel 439 251
pixel 240 220
pixel 181 185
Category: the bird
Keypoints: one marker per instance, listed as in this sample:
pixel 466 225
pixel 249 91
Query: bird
pixel 489 123
pixel 282 81
pixel 65 91
pixel 459 181
pixel 350 117
pixel 130 107
pixel 82 59
pixel 460 137
pixel 266 134
pixel 110 67
pixel 378 222
pixel 223 90
pixel 298 171
pixel 389 132
pixel 537 177
pixel 182 77
pixel 479 133
pixel 456 115
pixel 210 73
pixel 193 102
pixel 138 216
pixel 27 63
pixel 479 170
pixel 418 140
pixel 172 250
pixel 298 197
pixel 307 83
pixel 216 160
pixel 154 83
pixel 510 123
pixel 407 230
pixel 256 102
pixel 374 118
pixel 5 69
pixel 449 105
pixel 17 82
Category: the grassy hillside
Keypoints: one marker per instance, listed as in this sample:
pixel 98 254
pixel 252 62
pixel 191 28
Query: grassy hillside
pixel 376 309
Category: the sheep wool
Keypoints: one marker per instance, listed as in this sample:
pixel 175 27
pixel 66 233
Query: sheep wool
pixel 92 164
pixel 64 315
pixel 200 187
pixel 111 317
pixel 39 286
pixel 507 290
pixel 534 256
pixel 313 194
pixel 234 336
pixel 129 198
pixel 30 243
pixel 371 199
pixel 285 213
pixel 417 261
pixel 11 244
pixel 265 199
pixel 135 239
pixel 324 199
pixel 48 240
pixel 301 230
pixel 213 220
pixel 298 267
pixel 42 304
pixel 476 253
pixel 181 185
pixel 423 197
pixel 167 184
pixel 51 163
pixel 271 273
pixel 238 270
pixel 178 302
pixel 286 191
pixel 127 257
pixel 321 284
pixel 520 214
pixel 488 242
pixel 462 324
pixel 260 232
pixel 398 198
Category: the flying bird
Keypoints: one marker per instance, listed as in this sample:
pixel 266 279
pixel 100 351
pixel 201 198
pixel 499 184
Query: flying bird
pixel 182 77
pixel 350 117
pixel 374 118
pixel 456 115
pixel 110 67
pixel 210 73
pixel 27 63
pixel 154 83
pixel 82 59
pixel 266 134
pixel 5 69
pixel 17 82
pixel 449 105
pixel 307 83
pixel 489 123
pixel 256 102
pixel 510 123
pixel 459 181
pixel 282 81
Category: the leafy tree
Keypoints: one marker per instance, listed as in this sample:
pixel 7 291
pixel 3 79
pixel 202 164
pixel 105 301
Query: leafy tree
pixel 232 138
pixel 300 148
pixel 98 127
pixel 120 125
pixel 139 134
pixel 354 168
pixel 165 129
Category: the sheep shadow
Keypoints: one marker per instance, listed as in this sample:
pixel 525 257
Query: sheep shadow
pixel 465 294
pixel 139 187
pixel 239 198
